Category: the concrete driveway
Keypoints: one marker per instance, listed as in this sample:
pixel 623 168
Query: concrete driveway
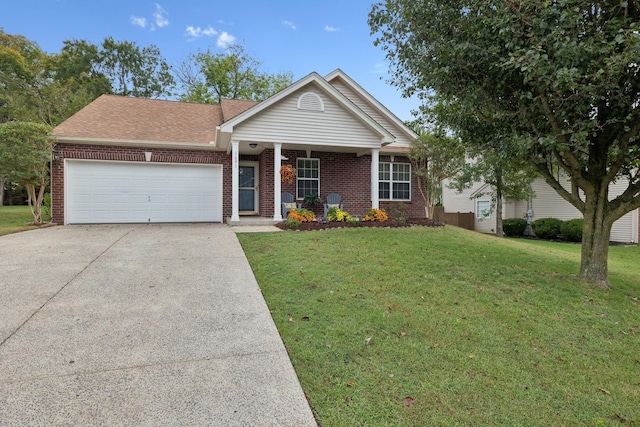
pixel 139 325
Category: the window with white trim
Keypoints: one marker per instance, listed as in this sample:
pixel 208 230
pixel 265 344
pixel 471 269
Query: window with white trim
pixel 394 181
pixel 307 177
pixel 483 209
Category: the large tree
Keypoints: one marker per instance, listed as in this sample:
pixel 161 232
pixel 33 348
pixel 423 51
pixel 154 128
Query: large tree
pixel 207 77
pixel 562 75
pixel 135 71
pixel 25 151
pixel 434 157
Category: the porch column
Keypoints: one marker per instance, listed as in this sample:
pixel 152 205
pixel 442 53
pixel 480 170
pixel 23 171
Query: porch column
pixel 375 166
pixel 277 183
pixel 235 178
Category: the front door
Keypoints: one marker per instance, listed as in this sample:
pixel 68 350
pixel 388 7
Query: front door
pixel 248 188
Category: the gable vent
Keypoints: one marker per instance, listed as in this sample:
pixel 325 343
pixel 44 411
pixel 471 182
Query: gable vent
pixel 310 101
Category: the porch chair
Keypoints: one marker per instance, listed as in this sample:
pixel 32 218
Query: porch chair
pixel 332 200
pixel 288 202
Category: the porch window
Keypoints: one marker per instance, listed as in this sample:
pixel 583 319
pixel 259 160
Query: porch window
pixel 394 181
pixel 307 177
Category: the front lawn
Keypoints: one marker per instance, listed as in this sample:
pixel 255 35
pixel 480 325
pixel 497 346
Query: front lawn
pixel 425 326
pixel 14 219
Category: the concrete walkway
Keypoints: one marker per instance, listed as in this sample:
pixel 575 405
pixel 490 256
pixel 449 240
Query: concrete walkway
pixel 139 325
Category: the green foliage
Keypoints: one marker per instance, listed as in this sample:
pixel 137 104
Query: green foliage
pixel 514 227
pixel 292 223
pixel 560 80
pixel 434 157
pixel 25 151
pixel 207 77
pixel 311 199
pixel 572 229
pixel 420 313
pixel 546 228
pixel 135 71
pixel 336 214
pixel 397 212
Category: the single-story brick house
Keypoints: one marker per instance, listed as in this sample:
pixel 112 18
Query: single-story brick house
pixel 128 160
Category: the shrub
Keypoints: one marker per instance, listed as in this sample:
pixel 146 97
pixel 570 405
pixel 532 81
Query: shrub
pixel 353 221
pixel 546 228
pixel 398 212
pixel 376 215
pixel 572 229
pixel 302 215
pixel 335 214
pixel 292 223
pixel 514 227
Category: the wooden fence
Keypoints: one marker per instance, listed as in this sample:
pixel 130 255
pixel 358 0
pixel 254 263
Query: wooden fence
pixel 459 219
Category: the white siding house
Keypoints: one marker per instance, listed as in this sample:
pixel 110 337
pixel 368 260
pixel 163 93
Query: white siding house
pixel 546 203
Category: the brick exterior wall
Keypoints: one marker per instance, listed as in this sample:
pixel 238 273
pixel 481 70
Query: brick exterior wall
pixel 342 173
pixel 132 154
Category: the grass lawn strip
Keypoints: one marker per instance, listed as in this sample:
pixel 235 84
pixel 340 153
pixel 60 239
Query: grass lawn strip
pixel 14 219
pixel 428 326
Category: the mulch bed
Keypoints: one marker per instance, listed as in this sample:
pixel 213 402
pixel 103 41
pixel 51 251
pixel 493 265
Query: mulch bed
pixel 411 222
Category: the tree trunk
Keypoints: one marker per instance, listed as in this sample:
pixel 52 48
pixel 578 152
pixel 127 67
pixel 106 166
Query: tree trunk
pixel 32 200
pixel 499 231
pixel 596 233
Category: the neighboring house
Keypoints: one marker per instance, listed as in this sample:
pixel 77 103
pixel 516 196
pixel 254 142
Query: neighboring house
pixel 128 160
pixel 546 203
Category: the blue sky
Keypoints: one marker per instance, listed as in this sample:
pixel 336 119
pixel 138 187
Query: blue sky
pixel 300 36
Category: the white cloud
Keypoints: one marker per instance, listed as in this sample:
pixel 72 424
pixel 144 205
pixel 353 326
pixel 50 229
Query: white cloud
pixel 138 21
pixel 330 29
pixel 197 32
pixel 160 16
pixel 289 24
pixel 225 40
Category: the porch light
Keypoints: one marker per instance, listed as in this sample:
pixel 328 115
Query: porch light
pixel 253 145
pixel 55 156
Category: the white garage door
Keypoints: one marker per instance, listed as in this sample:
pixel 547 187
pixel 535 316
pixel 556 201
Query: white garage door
pixel 130 192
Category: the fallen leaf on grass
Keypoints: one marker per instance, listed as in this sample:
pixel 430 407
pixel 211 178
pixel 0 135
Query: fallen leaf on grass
pixel 408 401
pixel 634 299
pixel 604 391
pixel 403 333
pixel 351 384
pixel 368 340
pixel 305 318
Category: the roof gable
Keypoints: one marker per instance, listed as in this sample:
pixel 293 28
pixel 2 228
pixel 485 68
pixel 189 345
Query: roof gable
pixel 311 80
pixel 371 105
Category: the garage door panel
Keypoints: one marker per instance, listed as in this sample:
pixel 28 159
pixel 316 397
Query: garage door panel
pixel 129 192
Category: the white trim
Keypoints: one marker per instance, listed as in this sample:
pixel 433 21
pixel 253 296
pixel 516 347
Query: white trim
pixel 375 175
pixel 235 169
pixel 477 209
pixel 391 181
pixel 134 143
pixel 372 101
pixel 634 225
pixel 277 182
pixel 385 136
pixel 306 179
pixel 256 168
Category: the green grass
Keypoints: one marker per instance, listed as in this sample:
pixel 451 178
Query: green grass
pixel 14 219
pixel 477 331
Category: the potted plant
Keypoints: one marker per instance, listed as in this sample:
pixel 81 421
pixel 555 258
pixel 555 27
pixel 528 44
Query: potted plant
pixel 311 199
